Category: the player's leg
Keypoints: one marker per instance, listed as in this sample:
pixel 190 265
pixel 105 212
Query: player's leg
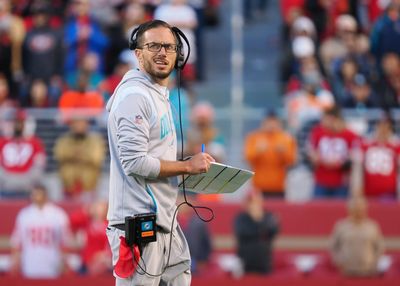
pixel 179 274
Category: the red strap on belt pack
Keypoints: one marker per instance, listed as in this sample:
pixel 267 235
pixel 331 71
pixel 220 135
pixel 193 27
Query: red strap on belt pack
pixel 128 259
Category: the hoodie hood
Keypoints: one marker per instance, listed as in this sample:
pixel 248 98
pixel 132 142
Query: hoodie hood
pixel 140 77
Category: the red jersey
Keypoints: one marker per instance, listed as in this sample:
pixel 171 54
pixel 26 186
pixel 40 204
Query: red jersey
pixel 380 164
pixel 94 234
pixel 18 155
pixel 333 148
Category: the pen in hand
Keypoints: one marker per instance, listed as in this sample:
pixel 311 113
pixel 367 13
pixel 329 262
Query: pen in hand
pixel 203 147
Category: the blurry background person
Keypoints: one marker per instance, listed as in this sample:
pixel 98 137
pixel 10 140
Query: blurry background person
pixel 270 151
pixel 89 226
pixel 203 131
pixel 329 147
pixel 82 34
pixel 22 157
pixel 40 237
pixel 38 96
pixel 80 155
pixel 255 231
pixel 12 34
pixel 6 101
pixel 42 50
pixel 197 235
pixel 360 95
pixel 357 242
pixel 388 85
pixel 376 162
pixel 81 97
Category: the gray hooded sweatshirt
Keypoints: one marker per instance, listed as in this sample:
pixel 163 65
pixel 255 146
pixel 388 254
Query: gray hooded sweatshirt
pixel 140 133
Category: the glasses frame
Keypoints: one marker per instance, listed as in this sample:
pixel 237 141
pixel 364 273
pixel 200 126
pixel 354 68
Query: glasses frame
pixel 161 45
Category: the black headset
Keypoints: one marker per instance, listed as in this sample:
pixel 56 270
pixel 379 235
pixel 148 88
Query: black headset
pixel 181 60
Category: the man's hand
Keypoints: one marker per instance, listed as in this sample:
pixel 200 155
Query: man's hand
pixel 199 163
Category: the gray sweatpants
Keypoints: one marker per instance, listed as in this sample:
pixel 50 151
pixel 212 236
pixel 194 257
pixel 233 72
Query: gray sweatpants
pixel 154 259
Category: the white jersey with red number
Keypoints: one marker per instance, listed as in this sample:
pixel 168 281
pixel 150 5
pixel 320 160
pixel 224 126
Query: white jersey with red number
pixel 40 234
pixel 20 155
pixel 380 162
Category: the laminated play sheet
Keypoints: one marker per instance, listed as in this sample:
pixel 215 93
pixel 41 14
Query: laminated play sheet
pixel 219 179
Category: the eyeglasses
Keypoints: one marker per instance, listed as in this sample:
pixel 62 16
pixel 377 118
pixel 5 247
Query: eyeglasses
pixel 156 47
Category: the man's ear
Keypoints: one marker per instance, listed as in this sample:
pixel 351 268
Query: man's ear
pixel 139 55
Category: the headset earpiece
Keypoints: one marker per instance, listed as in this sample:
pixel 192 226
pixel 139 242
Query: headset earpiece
pixel 132 40
pixel 180 57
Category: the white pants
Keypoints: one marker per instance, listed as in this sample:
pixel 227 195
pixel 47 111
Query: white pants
pixel 154 259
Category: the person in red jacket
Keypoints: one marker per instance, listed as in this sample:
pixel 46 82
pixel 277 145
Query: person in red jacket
pixel 329 147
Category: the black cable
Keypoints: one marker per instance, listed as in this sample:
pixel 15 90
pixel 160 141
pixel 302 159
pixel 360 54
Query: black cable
pixel 182 149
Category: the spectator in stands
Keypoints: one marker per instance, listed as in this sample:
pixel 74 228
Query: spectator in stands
pixel 203 131
pixel 89 66
pixel 89 226
pixel 38 95
pixel 290 11
pixel 307 72
pixel 80 155
pixel 376 164
pixel 388 86
pixel 270 151
pixel 343 77
pixel 5 99
pixel 22 158
pixel 307 102
pixel 12 34
pixel 301 44
pixel 81 98
pixel 197 235
pixel 42 48
pixel 385 33
pixel 40 238
pixel 178 13
pixel 329 149
pixel 82 34
pixel 361 95
pixel 255 230
pixel 340 44
pixel 357 242
pixel 109 84
pixel 324 14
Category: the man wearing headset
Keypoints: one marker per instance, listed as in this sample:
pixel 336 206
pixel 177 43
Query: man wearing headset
pixel 143 150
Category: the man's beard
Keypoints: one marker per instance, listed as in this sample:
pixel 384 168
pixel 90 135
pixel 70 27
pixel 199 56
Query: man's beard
pixel 157 74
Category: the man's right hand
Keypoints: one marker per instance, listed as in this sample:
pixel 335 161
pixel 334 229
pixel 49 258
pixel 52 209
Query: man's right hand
pixel 199 163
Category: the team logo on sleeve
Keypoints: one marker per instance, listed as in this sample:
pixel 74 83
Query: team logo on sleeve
pixel 138 119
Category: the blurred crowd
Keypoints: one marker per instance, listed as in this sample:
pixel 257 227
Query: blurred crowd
pixel 339 52
pixel 73 53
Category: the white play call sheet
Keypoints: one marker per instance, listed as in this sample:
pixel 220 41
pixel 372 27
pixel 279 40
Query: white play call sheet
pixel 219 179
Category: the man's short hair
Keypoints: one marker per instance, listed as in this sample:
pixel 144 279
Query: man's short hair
pixel 148 26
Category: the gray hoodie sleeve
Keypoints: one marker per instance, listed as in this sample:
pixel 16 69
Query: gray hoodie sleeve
pixel 133 115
